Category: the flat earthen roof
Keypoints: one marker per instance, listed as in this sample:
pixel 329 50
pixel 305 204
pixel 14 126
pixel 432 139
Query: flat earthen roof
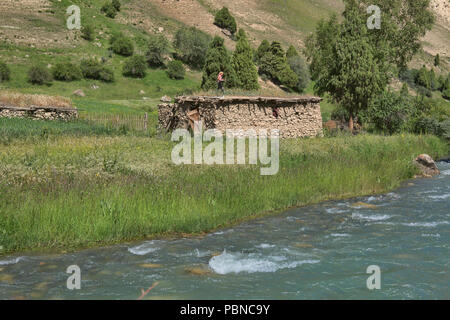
pixel 247 99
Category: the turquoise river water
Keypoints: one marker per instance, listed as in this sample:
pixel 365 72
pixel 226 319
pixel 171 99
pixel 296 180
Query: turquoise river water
pixel 316 252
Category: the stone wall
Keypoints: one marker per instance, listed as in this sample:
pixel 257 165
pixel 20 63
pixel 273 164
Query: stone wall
pixel 43 113
pixel 294 117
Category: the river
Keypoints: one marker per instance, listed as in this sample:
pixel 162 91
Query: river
pixel 316 252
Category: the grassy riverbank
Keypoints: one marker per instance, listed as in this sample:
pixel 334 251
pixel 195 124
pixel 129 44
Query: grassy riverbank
pixel 76 187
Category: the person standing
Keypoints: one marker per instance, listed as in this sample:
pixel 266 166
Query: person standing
pixel 220 81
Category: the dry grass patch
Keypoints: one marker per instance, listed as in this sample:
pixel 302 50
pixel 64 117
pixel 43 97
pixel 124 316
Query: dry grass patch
pixel 36 100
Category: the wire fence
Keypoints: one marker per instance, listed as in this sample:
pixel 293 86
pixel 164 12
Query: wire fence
pixel 130 122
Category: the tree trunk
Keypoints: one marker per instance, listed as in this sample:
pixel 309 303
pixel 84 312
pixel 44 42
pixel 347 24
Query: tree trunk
pixel 350 122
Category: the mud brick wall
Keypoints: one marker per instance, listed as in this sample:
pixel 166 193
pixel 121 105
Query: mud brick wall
pixel 294 117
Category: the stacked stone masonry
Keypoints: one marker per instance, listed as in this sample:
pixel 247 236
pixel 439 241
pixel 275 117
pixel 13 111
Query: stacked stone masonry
pixel 42 113
pixel 294 117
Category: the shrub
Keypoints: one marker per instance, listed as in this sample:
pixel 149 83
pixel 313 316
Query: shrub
pixel 389 112
pixel 157 47
pixel 298 65
pixel 445 128
pixel 122 45
pixel 135 67
pixel 116 4
pixel 5 73
pixel 422 78
pixel 109 10
pixel 66 71
pixel 39 75
pixel 175 70
pixel 191 45
pixel 426 125
pixel 92 69
pixel 225 20
pixel 87 32
pixel 106 75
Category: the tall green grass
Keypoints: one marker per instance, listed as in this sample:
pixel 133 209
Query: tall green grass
pixel 85 191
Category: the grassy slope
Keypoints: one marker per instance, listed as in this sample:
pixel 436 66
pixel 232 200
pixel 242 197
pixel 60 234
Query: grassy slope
pixel 109 95
pixel 67 190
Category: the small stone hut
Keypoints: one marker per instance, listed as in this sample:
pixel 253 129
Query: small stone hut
pixel 294 117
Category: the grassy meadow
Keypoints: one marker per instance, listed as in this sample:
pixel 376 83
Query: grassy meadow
pixel 74 185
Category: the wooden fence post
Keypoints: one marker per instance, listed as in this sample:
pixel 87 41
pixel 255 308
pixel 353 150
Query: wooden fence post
pixel 146 121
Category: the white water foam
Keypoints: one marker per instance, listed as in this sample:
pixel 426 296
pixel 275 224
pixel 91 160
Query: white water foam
pixel 426 224
pixel 11 261
pixel 145 248
pixel 440 197
pixel 445 172
pixel 265 246
pixel 340 235
pixel 335 210
pixel 374 217
pixel 237 262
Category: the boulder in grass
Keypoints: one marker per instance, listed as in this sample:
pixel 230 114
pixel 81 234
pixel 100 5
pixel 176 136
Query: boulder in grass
pixel 426 165
pixel 79 93
pixel 166 99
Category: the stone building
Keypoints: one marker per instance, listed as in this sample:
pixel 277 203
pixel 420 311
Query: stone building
pixel 294 117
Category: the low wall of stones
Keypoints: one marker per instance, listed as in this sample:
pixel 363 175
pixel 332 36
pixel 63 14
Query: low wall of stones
pixel 35 112
pixel 294 117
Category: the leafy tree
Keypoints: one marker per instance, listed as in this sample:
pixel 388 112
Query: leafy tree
pixel 66 71
pixel 243 66
pixel 262 50
pixel 274 65
pixel 5 73
pixel 122 45
pixel 87 32
pixel 191 45
pixel 217 59
pixel 437 60
pixel 39 75
pixel 225 20
pixel 298 65
pixel 176 70
pixel 291 52
pixel 135 67
pixel 403 24
pixel 158 46
pixel 344 62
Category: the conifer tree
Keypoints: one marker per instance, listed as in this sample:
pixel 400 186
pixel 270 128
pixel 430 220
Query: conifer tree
pixel 262 50
pixel 291 52
pixel 225 20
pixel 217 59
pixel 437 60
pixel 274 65
pixel 243 65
